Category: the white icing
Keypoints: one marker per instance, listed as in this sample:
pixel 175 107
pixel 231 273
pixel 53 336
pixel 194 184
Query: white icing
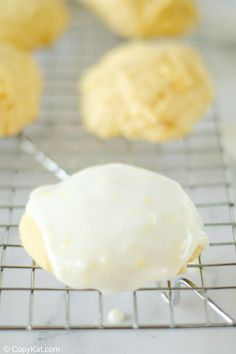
pixel 116 316
pixel 116 227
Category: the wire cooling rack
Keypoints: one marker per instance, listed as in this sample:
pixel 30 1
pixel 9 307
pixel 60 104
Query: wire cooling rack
pixel 57 145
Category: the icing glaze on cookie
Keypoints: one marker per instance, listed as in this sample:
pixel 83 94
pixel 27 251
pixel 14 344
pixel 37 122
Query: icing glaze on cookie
pixel 116 227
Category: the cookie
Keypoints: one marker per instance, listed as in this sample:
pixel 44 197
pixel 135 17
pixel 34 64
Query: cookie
pixel 145 91
pixel 30 24
pixel 145 19
pixel 20 90
pixel 113 227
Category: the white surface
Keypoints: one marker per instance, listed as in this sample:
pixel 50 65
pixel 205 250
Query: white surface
pixel 204 341
pixel 229 134
pixel 218 20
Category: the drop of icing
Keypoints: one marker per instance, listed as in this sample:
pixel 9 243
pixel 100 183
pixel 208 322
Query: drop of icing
pixel 116 316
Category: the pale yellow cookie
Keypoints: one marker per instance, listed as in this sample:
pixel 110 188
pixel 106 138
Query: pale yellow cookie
pixel 31 24
pixel 20 89
pixel 112 227
pixel 147 91
pixel 146 18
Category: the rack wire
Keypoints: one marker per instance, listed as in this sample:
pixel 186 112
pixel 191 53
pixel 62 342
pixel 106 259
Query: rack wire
pixel 56 146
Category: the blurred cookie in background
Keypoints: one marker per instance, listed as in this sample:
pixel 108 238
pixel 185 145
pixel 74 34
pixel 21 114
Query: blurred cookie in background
pixel 144 18
pixel 146 91
pixel 31 24
pixel 20 89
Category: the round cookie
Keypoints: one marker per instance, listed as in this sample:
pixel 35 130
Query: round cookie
pixel 113 227
pixel 30 24
pixel 20 90
pixel 145 18
pixel 145 91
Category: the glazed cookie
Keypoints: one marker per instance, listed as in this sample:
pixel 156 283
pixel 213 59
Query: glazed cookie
pixel 20 90
pixel 113 227
pixel 143 19
pixel 147 91
pixel 30 24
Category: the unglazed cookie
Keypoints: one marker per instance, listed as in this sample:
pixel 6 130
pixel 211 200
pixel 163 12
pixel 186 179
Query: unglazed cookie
pixel 30 24
pixel 145 18
pixel 112 227
pixel 147 91
pixel 20 89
